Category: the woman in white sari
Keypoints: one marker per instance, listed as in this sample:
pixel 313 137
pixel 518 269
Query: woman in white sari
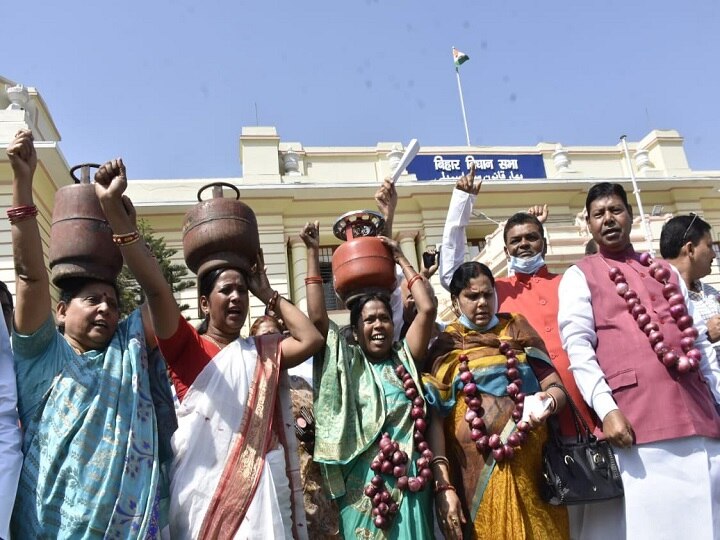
pixel 229 418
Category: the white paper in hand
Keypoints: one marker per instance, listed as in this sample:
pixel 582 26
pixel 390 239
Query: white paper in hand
pixel 535 406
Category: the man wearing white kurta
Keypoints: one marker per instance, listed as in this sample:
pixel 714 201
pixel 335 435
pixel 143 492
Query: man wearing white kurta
pixel 663 424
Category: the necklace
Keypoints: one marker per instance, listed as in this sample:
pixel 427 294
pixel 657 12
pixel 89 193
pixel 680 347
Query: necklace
pixel 689 359
pixel 478 430
pixel 214 341
pixel 391 460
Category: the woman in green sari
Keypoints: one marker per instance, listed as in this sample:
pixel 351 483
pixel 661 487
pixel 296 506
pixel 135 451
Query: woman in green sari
pixel 488 459
pixel 368 402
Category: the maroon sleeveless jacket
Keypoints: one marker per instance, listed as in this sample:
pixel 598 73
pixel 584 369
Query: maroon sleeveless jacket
pixel 659 403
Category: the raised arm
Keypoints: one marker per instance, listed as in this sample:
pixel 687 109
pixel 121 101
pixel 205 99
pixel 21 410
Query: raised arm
pixel 452 251
pixel 304 340
pixel 314 289
pixel 32 285
pixel 386 199
pixel 420 331
pixel 110 185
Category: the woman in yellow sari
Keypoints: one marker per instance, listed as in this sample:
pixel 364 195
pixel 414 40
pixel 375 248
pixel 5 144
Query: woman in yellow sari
pixel 488 457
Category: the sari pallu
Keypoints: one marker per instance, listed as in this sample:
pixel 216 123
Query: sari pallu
pixel 232 458
pixel 501 500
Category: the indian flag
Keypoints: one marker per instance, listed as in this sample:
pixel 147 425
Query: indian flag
pixel 459 57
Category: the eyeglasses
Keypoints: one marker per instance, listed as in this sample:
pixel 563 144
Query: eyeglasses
pixel 694 217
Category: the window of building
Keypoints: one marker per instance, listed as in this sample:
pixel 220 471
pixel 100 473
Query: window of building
pixel 475 247
pixel 332 302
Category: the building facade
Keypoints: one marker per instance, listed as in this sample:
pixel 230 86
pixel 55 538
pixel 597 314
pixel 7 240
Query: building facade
pixel 288 184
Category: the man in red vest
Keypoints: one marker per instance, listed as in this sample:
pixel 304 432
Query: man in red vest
pixel 650 375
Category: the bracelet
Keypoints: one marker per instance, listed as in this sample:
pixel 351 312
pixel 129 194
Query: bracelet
pixel 313 280
pixel 412 281
pixel 270 308
pixel 20 213
pixel 439 488
pixel 439 459
pixel 554 401
pixel 126 239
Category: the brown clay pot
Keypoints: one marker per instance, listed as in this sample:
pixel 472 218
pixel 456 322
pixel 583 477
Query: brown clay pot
pixel 220 232
pixel 81 243
pixel 363 264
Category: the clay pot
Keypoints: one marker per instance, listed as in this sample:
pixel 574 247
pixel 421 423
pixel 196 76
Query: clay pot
pixel 81 243
pixel 220 232
pixel 363 264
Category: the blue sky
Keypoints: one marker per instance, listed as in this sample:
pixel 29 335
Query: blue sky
pixel 168 85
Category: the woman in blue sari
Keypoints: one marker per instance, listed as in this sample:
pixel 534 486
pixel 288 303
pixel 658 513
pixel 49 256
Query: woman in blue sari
pixel 93 465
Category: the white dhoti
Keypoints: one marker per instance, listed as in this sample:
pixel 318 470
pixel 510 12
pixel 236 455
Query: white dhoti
pixel 672 490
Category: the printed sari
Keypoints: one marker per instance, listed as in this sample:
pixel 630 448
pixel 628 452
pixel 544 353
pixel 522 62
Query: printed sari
pixel 355 402
pixel 502 500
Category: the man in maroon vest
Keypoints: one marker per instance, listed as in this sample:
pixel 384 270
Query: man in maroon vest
pixel 624 321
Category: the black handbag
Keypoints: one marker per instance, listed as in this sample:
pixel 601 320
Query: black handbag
pixel 578 472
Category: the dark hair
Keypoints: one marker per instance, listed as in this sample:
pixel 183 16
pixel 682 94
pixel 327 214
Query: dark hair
pixel 467 271
pixel 606 189
pixel 71 287
pixel 680 230
pixel 357 306
pixel 521 218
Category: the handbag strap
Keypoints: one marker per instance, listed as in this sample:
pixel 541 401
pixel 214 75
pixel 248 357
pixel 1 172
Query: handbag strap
pixel 581 426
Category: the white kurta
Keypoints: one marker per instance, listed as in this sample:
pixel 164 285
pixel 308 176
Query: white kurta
pixel 10 439
pixel 454 240
pixel 209 419
pixel 672 488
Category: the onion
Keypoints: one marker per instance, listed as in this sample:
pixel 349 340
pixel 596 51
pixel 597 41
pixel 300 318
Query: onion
pixel 387 467
pixel 694 364
pixel 370 490
pixel 690 332
pixel 622 288
pixel 649 328
pixel 463 358
pixel 510 353
pixel 409 383
pixel 655 337
pixel 620 279
pixel 462 367
pixel 660 348
pixel 694 354
pixel 523 427
pixel 518 383
pixel 470 389
pixel 482 444
pixel 670 359
pixel 669 289
pixel 377 499
pixel 375 512
pixel 632 302
pixel 513 439
pixel 614 272
pixel 470 415
pixel 684 322
pixel 662 274
pixel 676 299
pixel 475 403
pixel 511 363
pixel 398 471
pixel 643 319
pixel 683 365
pixel 393 508
pixel 494 441
pixel 383 509
pixel 411 393
pixel 504 347
pixel 400 370
pixel 402 483
pixel 687 343
pixel 654 267
pixel 406 377
pixel 397 458
pixel 421 447
pixel 509 451
pixel 630 294
pixel 638 310
pixel 520 397
pixel 422 463
pixel 396 446
pixel 512 389
pixel 380 522
pixel 426 474
pixel 420 425
pixel 475 434
pixel 417 412
pixel 414 484
pixel 516 415
pixel 645 258
pixel 427 454
pixel 498 454
pixel 477 423
pixel 466 377
pixel 418 437
pixel 513 373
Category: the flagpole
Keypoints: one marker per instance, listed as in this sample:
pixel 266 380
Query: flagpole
pixel 636 192
pixel 462 106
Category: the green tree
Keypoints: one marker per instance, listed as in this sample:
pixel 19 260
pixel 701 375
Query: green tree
pixel 131 295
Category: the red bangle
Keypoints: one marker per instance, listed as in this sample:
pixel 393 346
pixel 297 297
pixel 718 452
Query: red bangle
pixel 20 213
pixel 313 279
pixel 126 239
pixel 444 487
pixel 412 281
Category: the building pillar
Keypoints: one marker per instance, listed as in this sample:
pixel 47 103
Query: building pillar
pixel 298 256
pixel 406 239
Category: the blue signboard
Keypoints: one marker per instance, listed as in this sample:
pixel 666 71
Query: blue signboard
pixel 488 167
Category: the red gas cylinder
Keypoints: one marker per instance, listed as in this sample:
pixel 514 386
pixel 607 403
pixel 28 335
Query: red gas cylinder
pixel 81 243
pixel 220 232
pixel 363 264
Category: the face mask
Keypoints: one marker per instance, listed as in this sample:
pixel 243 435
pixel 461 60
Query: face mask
pixel 467 323
pixel 526 266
